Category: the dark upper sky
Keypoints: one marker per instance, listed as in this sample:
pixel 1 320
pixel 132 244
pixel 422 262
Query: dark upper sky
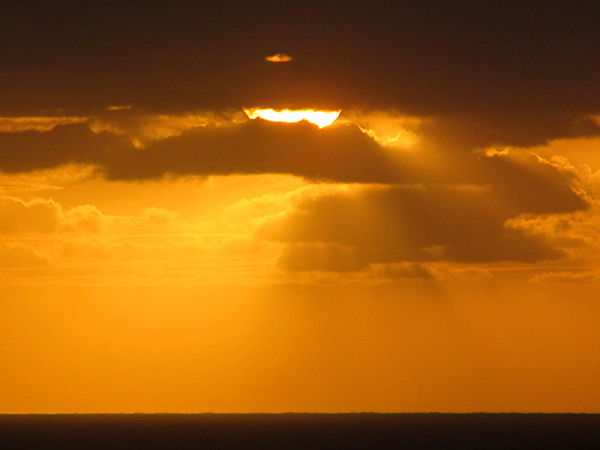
pixel 455 57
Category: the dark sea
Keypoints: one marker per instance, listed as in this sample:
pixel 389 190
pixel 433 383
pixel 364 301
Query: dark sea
pixel 300 431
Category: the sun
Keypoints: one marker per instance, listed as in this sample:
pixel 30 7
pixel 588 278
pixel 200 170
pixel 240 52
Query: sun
pixel 319 118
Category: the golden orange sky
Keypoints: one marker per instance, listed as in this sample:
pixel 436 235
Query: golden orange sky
pixel 166 247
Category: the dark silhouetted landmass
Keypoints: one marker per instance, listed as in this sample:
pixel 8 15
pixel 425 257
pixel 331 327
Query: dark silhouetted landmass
pixel 300 431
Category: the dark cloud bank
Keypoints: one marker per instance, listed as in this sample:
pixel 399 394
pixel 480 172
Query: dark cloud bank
pixel 526 59
pixel 338 153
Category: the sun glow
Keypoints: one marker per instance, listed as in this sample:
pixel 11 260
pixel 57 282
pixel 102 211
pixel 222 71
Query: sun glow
pixel 319 118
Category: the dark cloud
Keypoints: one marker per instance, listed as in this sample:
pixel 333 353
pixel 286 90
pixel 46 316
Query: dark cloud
pixel 435 223
pixel 487 61
pixel 339 152
pixel 460 132
pixel 73 143
pixel 526 183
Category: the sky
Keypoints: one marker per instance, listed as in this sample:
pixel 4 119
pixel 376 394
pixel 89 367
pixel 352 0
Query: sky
pixel 435 248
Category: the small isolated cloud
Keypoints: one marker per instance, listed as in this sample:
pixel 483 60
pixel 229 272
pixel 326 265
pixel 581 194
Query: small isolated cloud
pixel 279 57
pixel 15 255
